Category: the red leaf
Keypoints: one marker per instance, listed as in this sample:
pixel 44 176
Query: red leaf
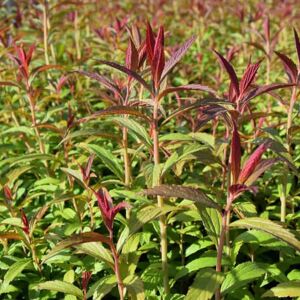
pixel 7 192
pixel 114 110
pixel 262 166
pixel 235 190
pixel 264 89
pixel 175 58
pixel 251 163
pixel 103 80
pixel 289 67
pixel 229 69
pixel 235 156
pixel 266 26
pixel 158 61
pixel 127 71
pixel 188 87
pixel 150 41
pixel 118 207
pixel 248 77
pixel 25 222
pixel 132 56
pixel 297 43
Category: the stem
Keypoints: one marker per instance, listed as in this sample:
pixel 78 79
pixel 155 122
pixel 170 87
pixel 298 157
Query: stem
pixel 223 235
pixel 45 29
pixel 116 266
pixel 77 36
pixel 127 163
pixel 290 117
pixel 160 202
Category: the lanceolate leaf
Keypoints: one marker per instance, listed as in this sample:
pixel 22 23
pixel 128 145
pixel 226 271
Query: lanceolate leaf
pixel 265 89
pixel 229 69
pixel 270 227
pixel 103 80
pixel 136 129
pixel 127 71
pixel 107 157
pixel 85 237
pixel 260 169
pixel 240 276
pixel 114 110
pixel 175 58
pixel 158 61
pixel 289 66
pixel 297 42
pixel 13 271
pixel 61 286
pixel 197 104
pixel 248 77
pixel 177 191
pixel 205 284
pixel 285 290
pixel 189 87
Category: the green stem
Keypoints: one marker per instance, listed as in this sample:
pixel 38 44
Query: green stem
pixel 160 202
pixel 223 236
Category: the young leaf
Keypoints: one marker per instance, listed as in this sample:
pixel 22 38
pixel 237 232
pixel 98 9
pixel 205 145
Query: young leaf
pixel 229 69
pixel 248 77
pixel 289 67
pixel 297 43
pixel 158 61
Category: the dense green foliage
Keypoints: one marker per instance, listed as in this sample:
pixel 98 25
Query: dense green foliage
pixel 149 160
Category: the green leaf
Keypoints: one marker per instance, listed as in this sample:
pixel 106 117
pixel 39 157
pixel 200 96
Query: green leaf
pixel 109 160
pixel 285 289
pixel 102 287
pixel 205 284
pixel 181 154
pixel 61 286
pixel 26 158
pixel 135 287
pixel 208 259
pixel 270 227
pixel 178 191
pixel 13 271
pixel 212 222
pixel 85 237
pixel 240 276
pixel 98 251
pixel 135 129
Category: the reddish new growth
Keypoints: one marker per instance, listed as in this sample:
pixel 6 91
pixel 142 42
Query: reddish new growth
pixel 23 59
pixel 242 179
pixel 25 222
pixel 86 276
pixel 108 211
pixel 155 54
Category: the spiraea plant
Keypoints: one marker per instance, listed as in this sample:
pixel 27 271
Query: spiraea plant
pixel 133 166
